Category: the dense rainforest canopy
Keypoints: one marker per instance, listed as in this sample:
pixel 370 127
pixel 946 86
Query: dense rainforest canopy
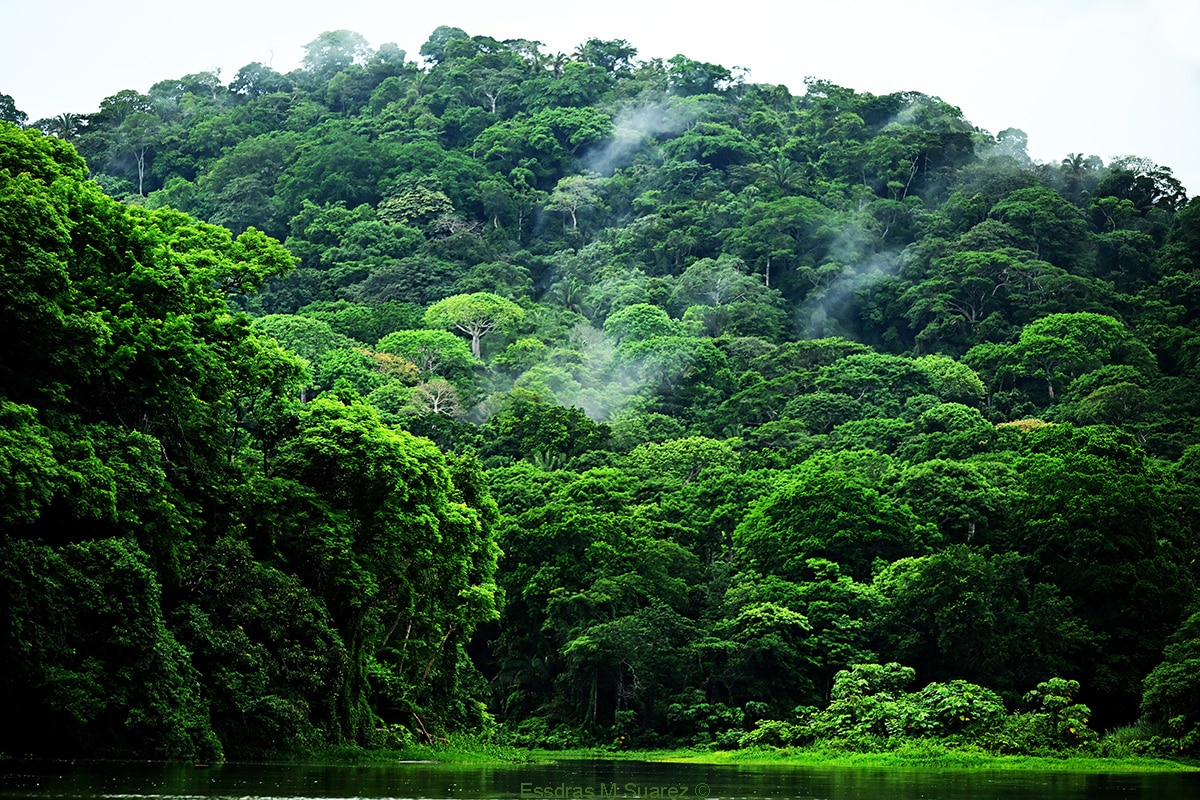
pixel 590 397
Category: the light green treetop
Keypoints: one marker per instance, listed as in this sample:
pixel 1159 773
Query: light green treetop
pixel 476 315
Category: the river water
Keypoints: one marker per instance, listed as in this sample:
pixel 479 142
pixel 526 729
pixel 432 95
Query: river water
pixel 572 779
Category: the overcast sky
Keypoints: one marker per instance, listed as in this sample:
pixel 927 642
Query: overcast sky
pixel 1102 77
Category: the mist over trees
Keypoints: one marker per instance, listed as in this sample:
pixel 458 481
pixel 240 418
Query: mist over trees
pixel 586 396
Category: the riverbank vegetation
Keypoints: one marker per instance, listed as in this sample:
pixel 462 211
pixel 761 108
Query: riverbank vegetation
pixel 923 755
pixel 577 400
pixel 932 755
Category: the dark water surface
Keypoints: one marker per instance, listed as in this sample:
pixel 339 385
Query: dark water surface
pixel 571 779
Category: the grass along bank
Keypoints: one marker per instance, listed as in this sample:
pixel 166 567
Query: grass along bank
pixel 926 755
pixel 915 755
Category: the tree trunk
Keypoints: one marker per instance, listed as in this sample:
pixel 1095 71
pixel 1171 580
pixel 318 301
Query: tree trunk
pixel 140 157
pixel 595 694
pixel 433 657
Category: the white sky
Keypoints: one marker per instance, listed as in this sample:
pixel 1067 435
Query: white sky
pixel 1103 77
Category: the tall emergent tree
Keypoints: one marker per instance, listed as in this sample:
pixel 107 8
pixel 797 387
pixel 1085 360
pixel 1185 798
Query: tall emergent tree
pixel 476 315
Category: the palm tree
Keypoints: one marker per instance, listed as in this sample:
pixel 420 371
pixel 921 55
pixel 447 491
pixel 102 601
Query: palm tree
pixel 556 62
pixel 65 126
pixel 1076 169
pixel 1075 165
pixel 569 293
pixel 783 173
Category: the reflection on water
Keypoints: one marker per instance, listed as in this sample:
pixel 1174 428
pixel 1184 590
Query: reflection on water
pixel 585 780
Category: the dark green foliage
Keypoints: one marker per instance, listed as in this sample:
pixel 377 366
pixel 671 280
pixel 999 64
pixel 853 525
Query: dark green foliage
pixel 364 323
pixel 966 613
pixel 771 389
pixel 91 667
pixel 528 427
pixel 1097 520
pixel 834 515
pixel 367 518
pixel 1170 694
pixel 164 498
pixel 265 700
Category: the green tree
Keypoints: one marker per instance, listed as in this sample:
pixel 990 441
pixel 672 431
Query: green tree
pixel 572 194
pixel 953 382
pixel 686 76
pixel 788 233
pixel 1108 529
pixel 265 701
pixel 1056 230
pixel 526 426
pixel 406 567
pixel 1169 693
pixel 977 615
pixel 333 52
pixel 956 496
pixel 91 665
pixel 882 380
pixel 9 111
pixel 341 164
pixel 136 136
pixel 476 315
pixel 256 79
pixel 546 143
pixel 1060 347
pixel 143 412
pixel 683 459
pixel 436 353
pixel 821 412
pixel 638 322
pixel 1147 185
pixel 715 283
pixel 834 515
pixel 434 49
pixel 611 55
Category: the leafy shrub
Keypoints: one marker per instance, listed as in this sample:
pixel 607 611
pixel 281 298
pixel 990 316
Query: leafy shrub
pixel 1052 722
pixel 776 733
pixel 957 707
pixel 696 721
pixel 869 711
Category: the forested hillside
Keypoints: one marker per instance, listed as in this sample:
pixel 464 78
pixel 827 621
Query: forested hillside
pixel 592 397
